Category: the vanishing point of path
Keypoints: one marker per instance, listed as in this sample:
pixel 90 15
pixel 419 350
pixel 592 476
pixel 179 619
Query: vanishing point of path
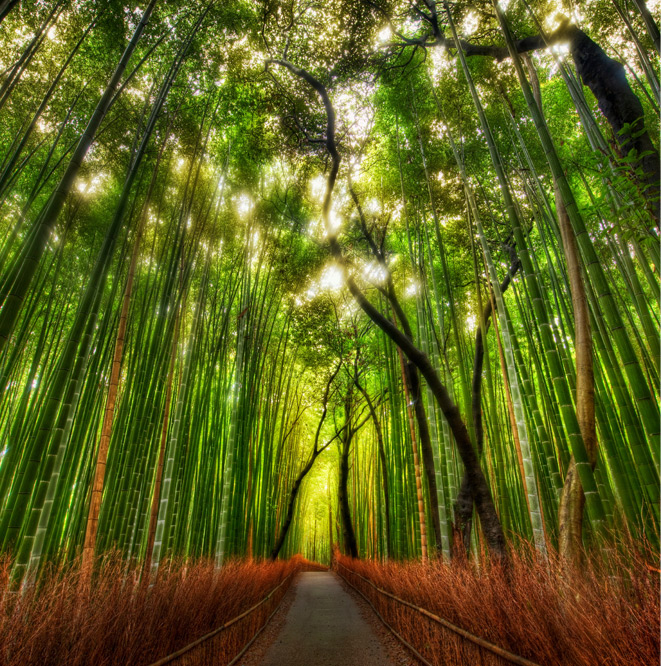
pixel 324 627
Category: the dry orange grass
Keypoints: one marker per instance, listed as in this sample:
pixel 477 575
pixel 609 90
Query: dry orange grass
pixel 605 613
pixel 119 623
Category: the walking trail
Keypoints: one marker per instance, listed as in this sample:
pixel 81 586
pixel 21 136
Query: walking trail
pixel 324 627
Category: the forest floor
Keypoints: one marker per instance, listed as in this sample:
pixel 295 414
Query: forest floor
pixel 321 622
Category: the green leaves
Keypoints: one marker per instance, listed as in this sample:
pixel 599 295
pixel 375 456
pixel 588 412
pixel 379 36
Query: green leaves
pixel 235 169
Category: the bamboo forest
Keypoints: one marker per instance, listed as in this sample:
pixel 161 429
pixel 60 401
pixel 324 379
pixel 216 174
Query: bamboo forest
pixel 343 313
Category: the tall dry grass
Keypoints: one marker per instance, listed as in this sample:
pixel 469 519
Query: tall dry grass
pixel 119 623
pixel 606 612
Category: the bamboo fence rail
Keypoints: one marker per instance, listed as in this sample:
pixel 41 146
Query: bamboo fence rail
pixel 439 641
pixel 227 643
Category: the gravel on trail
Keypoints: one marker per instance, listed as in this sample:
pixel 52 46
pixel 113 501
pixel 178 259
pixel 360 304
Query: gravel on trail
pixel 321 623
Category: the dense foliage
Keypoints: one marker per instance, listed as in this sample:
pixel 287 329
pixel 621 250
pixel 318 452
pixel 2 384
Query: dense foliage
pixel 186 367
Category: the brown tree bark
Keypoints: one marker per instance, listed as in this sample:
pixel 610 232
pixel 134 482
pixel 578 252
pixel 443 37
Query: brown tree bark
pixel 413 379
pixel 491 526
pixel 106 429
pixel 572 500
pixel 5 7
pixel 464 503
pixel 604 76
pixel 348 533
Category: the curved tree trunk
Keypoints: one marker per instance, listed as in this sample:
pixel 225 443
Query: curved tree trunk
pixel 464 502
pixel 284 530
pixel 413 380
pixel 491 527
pixel 348 533
pixel 5 7
pixel 604 76
pixel 608 82
pixel 303 473
pixel 572 499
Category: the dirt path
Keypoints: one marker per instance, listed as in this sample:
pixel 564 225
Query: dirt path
pixel 324 627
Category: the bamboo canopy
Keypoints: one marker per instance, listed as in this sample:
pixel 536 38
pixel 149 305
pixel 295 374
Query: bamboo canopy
pixel 276 276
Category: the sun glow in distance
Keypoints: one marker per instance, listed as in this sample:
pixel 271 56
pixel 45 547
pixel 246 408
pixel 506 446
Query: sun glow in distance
pixel 244 205
pixel 332 278
pixel 318 187
pixel 334 222
pixel 470 24
pixel 413 289
pixel 385 35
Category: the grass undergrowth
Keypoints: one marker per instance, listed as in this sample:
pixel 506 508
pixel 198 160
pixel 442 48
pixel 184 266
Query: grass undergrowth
pixel 118 622
pixel 605 612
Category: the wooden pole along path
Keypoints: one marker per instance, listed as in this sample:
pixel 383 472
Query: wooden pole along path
pixel 188 655
pixel 324 627
pixel 500 653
